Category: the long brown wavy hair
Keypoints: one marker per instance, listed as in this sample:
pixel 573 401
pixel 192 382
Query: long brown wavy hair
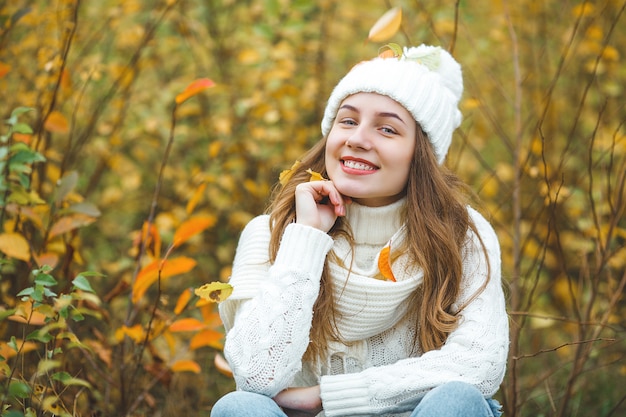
pixel 437 223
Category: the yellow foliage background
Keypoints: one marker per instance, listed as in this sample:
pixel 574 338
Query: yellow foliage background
pixel 543 145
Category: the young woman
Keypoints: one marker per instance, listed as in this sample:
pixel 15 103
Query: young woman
pixel 375 291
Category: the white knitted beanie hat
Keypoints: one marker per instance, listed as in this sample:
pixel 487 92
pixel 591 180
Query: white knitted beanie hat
pixel 425 80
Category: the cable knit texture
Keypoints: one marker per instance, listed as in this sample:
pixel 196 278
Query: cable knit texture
pixel 378 371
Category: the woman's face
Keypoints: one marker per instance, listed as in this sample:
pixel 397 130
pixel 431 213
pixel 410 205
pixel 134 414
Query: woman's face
pixel 369 149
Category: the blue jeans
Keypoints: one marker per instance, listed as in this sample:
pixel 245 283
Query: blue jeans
pixel 454 399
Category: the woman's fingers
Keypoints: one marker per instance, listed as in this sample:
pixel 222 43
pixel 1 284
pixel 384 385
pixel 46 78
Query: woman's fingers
pixel 318 204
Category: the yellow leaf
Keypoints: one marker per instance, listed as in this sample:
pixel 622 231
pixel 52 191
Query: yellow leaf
pixel 215 291
pixel 210 338
pixel 15 246
pixel 187 325
pixel 195 198
pixel 384 264
pixel 186 366
pixel 194 88
pixel 136 333
pixel 167 268
pixel 24 313
pixel 315 176
pixel 56 123
pixel 286 174
pixel 583 10
pixel 182 301
pixel 192 227
pixel 386 26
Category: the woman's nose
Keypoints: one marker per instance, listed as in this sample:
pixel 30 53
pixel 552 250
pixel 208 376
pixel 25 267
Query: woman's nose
pixel 359 139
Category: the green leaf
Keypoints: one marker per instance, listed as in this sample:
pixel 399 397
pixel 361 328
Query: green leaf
pixel 19 389
pixel 45 280
pixel 67 379
pixel 45 366
pixel 17 112
pixel 39 336
pixel 6 313
pixel 13 413
pixel 22 128
pixel 82 283
pixel 26 292
pixel 13 343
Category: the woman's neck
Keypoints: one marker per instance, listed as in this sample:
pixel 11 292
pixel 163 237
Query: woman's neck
pixel 375 225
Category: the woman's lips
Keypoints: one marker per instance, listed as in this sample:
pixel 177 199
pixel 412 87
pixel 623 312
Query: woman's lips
pixel 358 166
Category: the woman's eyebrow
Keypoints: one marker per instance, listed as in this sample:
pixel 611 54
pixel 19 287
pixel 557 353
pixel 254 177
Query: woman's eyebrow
pixel 380 114
pixel 389 114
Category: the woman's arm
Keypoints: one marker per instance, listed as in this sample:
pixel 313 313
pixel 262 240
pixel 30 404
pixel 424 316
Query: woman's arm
pixel 268 317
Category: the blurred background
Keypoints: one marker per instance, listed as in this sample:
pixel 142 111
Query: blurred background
pixel 103 177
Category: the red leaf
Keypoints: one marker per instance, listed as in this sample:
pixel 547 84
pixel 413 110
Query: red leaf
pixel 194 88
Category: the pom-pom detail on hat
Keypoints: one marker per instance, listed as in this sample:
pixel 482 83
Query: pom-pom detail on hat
pixel 426 80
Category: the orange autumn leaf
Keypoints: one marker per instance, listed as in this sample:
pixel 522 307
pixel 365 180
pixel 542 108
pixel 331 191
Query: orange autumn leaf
pixel 195 198
pixel 168 268
pixel 4 69
pixel 151 239
pixel 192 227
pixel 387 26
pixel 186 365
pixel 209 338
pixel 210 316
pixel 56 123
pixel 182 301
pixel 187 325
pixel 69 223
pixel 384 264
pixel 194 88
pixel 8 352
pixel 22 137
pixel 48 258
pixel 24 313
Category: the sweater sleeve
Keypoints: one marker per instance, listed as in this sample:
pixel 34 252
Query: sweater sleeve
pixel 268 316
pixel 475 352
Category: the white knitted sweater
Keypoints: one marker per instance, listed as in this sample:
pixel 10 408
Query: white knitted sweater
pixel 268 317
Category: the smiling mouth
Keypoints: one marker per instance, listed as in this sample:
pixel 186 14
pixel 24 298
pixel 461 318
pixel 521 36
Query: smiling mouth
pixel 358 165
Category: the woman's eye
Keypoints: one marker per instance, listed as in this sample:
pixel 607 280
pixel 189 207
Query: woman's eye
pixel 388 130
pixel 348 122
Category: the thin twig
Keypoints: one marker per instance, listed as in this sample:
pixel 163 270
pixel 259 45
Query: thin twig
pixel 554 349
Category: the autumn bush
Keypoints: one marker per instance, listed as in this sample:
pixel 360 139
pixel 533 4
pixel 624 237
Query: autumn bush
pixel 126 177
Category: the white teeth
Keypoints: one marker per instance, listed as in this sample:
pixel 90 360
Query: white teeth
pixel 358 165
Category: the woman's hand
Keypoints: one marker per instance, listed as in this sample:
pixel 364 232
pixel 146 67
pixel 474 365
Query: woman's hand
pixel 300 402
pixel 318 204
